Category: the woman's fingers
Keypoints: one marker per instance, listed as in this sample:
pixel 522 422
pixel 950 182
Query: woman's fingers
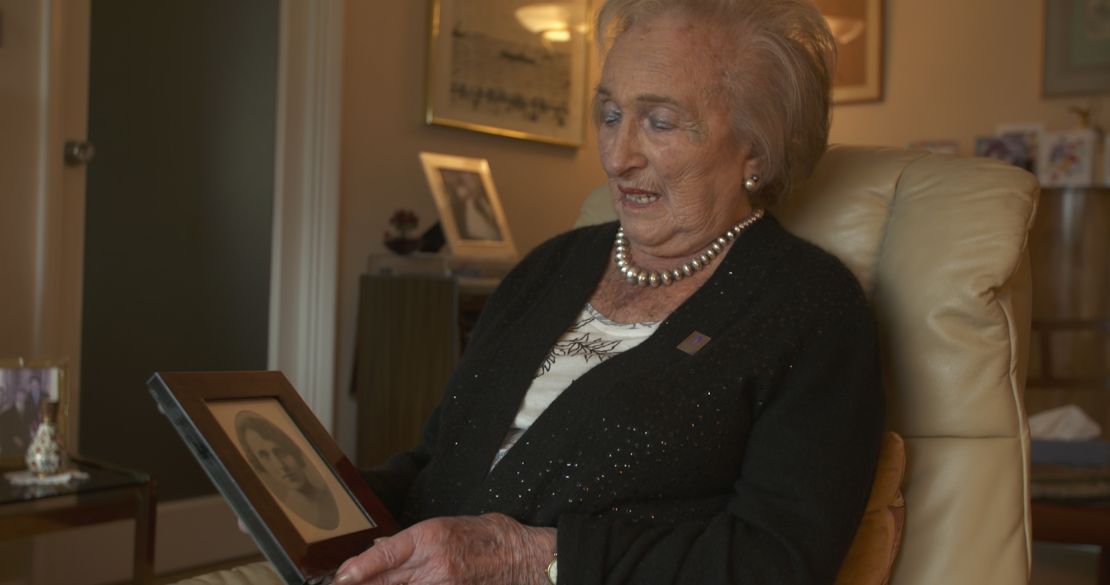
pixel 374 564
pixel 492 549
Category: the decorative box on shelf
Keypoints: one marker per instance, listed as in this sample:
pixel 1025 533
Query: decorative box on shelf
pixel 415 264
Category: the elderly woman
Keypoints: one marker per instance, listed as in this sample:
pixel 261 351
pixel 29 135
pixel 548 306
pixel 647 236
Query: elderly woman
pixel 690 395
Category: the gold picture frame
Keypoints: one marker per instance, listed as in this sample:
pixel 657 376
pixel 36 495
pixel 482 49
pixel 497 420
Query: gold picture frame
pixel 37 381
pixel 469 209
pixel 503 68
pixel 857 26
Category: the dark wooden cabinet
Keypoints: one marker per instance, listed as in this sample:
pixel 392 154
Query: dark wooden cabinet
pixel 1069 248
pixel 411 331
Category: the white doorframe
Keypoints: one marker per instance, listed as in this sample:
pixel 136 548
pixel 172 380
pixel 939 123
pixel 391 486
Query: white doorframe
pixel 304 269
pixel 304 256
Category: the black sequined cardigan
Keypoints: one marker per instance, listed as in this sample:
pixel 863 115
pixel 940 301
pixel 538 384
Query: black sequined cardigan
pixel 747 462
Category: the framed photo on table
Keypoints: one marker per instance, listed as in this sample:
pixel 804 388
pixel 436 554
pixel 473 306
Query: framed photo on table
pixel 469 210
pixel 304 503
pixel 25 387
pixel 510 68
pixel 857 26
pixel 1076 47
pixel 1067 158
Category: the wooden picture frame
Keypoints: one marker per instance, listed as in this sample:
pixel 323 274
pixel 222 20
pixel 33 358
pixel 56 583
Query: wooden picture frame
pixel 857 26
pixel 32 382
pixel 1076 59
pixel 469 209
pixel 302 500
pixel 503 68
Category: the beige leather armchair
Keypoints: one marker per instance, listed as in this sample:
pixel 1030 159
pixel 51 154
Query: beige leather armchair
pixel 939 244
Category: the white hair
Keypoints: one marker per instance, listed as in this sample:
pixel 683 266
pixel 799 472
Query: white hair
pixel 777 71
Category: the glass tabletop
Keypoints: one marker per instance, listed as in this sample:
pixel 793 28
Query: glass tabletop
pixel 101 477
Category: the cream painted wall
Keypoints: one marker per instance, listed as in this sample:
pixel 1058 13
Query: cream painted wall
pixel 22 115
pixel 22 111
pixel 954 69
pixel 540 185
pixel 42 103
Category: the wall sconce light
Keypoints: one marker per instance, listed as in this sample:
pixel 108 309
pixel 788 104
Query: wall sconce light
pixel 549 20
pixel 556 35
pixel 845 29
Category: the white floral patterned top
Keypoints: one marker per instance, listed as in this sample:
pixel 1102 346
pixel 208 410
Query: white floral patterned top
pixel 590 340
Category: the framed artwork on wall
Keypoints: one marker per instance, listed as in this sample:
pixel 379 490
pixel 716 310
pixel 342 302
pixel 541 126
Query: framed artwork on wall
pixel 469 210
pixel 858 28
pixel 510 68
pixel 1076 47
pixel 25 387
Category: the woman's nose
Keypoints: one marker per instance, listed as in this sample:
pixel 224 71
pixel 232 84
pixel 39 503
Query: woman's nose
pixel 621 151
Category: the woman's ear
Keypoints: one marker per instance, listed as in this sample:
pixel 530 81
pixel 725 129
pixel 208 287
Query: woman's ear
pixel 753 167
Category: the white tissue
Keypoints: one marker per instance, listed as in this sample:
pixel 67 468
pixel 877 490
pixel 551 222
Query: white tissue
pixel 1064 423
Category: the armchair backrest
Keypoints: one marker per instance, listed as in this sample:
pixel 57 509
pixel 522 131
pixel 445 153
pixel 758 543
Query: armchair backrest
pixel 939 244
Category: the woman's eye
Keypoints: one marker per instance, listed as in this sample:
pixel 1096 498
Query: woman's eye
pixel 610 116
pixel 658 123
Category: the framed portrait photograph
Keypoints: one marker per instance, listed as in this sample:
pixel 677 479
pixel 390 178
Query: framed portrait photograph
pixel 858 28
pixel 26 386
pixel 303 501
pixel 1076 47
pixel 469 209
pixel 510 68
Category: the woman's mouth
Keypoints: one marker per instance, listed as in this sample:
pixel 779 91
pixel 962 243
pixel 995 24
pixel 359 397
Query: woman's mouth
pixel 638 196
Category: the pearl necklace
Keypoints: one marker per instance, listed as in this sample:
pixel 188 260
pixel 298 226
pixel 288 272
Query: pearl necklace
pixel 641 277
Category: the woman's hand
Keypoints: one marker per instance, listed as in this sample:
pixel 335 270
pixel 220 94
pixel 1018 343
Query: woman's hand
pixel 491 548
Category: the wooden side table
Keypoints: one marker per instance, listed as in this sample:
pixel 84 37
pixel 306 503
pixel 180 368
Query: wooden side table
pixel 1075 524
pixel 110 493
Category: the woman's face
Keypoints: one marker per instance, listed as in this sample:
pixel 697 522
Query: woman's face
pixel 675 170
